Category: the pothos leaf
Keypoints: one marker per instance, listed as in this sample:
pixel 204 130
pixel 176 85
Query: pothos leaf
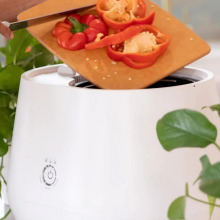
pixel 41 56
pixel 185 128
pixel 18 45
pixel 10 78
pixel 211 207
pixel 177 209
pixel 5 99
pixel 214 108
pixel 210 180
pixel 6 127
pixel 205 165
pixel 3 147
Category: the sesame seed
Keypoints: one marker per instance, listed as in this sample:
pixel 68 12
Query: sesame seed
pixel 138 6
pixel 104 78
pixel 115 73
pixel 87 58
pixel 95 67
pixel 168 19
pixel 108 75
pixel 129 78
pixel 191 38
pixel 114 63
pixel 152 6
pixel 95 61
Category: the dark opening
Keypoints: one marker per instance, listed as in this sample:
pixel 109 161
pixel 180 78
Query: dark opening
pixel 166 82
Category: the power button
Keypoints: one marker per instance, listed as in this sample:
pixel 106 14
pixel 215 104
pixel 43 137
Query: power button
pixel 49 175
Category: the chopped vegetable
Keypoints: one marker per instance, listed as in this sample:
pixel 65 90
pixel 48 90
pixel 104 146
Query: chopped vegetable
pixel 120 14
pixel 76 31
pixel 142 50
pixel 115 38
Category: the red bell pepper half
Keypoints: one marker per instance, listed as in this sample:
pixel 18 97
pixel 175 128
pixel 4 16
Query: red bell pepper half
pixel 76 31
pixel 120 14
pixel 141 60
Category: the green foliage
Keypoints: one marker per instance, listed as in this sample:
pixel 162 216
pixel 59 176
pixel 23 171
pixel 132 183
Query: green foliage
pixel 10 78
pixel 3 147
pixel 210 180
pixel 214 108
pixel 41 56
pixel 5 122
pixel 177 209
pixel 211 207
pixel 5 99
pixel 185 128
pixel 21 54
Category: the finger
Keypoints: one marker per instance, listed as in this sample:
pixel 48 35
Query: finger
pixel 5 31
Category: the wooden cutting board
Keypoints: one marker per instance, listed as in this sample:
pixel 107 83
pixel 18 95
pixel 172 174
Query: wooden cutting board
pixel 185 48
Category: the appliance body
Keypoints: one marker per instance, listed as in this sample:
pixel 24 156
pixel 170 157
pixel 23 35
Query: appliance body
pixel 92 154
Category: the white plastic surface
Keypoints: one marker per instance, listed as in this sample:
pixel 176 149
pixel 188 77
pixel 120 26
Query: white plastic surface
pixel 104 148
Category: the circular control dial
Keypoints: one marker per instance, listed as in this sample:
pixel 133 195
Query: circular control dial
pixel 49 175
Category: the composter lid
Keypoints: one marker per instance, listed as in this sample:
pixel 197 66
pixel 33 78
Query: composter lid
pixel 62 75
pixel 57 75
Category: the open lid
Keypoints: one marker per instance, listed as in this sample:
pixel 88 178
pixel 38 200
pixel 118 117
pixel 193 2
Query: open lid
pixel 185 48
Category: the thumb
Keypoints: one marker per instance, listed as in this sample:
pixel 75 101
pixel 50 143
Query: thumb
pixel 5 31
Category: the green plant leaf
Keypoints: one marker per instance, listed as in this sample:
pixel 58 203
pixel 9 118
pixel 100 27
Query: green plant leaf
pixel 205 165
pixel 177 209
pixel 5 52
pixel 42 57
pixel 18 45
pixel 214 108
pixel 5 99
pixel 185 128
pixel 6 126
pixel 26 61
pixel 3 147
pixel 10 78
pixel 211 207
pixel 210 181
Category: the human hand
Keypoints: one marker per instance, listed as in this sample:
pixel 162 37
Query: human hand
pixel 5 31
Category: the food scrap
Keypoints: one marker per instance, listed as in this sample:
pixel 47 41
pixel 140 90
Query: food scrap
pixel 135 41
pixel 76 31
pixel 120 14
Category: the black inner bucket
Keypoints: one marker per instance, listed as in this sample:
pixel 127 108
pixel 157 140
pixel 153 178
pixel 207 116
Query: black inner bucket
pixel 166 82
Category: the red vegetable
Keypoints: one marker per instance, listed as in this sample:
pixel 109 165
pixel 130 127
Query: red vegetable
pixel 120 14
pixel 141 60
pixel 115 38
pixel 76 31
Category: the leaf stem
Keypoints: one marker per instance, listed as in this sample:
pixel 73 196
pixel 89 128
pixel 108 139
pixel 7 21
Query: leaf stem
pixel 207 203
pixel 5 182
pixel 217 146
pixel 1 168
pixel 6 215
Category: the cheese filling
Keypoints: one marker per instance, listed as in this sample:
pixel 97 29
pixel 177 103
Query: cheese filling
pixel 142 43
